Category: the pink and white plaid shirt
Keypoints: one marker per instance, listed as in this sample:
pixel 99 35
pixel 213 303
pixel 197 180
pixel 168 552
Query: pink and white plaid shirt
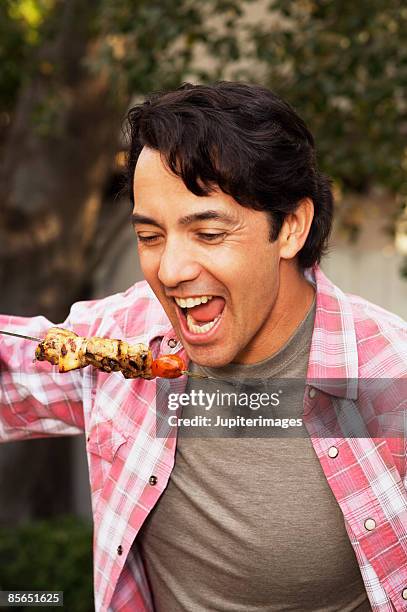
pixel 352 339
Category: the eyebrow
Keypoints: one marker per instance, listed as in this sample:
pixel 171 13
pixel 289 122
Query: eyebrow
pixel 205 215
pixel 137 219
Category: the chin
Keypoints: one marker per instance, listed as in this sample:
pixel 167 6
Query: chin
pixel 209 358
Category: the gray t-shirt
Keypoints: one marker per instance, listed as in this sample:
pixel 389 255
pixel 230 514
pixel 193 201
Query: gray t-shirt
pixel 250 524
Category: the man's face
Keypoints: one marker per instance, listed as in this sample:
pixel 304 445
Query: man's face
pixel 206 247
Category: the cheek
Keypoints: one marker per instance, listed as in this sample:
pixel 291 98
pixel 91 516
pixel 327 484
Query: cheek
pixel 250 273
pixel 148 265
pixel 258 278
pixel 261 262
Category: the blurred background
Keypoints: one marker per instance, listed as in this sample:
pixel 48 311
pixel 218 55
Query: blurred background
pixel 70 69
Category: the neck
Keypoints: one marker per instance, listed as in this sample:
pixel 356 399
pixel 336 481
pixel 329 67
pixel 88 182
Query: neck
pixel 294 299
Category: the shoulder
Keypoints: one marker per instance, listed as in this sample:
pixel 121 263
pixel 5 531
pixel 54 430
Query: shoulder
pixel 135 311
pixel 381 338
pixel 371 318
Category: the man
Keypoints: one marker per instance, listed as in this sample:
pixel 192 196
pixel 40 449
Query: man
pixel 232 217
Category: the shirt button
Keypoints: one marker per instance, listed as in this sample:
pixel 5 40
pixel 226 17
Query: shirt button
pixel 120 549
pixel 172 343
pixel 404 593
pixel 312 393
pixel 153 480
pixel 333 452
pixel 370 524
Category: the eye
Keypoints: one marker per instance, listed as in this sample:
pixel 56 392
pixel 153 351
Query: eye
pixel 211 237
pixel 150 239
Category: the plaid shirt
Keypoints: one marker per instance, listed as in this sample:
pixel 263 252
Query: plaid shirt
pixel 129 466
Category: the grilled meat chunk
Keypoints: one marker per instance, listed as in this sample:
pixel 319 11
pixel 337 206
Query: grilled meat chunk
pixel 69 351
pixel 63 348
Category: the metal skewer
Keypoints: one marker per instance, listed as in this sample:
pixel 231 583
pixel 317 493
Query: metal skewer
pixel 196 375
pixel 20 336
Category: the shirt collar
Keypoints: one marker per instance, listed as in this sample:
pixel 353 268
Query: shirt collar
pixel 333 359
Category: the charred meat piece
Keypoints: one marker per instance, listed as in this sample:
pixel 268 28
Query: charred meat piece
pixel 102 353
pixel 112 355
pixel 63 348
pixel 70 351
pixel 136 360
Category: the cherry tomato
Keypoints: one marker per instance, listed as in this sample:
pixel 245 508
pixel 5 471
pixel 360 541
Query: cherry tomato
pixel 168 366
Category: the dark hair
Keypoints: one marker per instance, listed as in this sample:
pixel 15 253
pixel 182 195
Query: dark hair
pixel 243 139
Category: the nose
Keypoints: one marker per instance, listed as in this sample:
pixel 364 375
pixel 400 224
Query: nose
pixel 177 264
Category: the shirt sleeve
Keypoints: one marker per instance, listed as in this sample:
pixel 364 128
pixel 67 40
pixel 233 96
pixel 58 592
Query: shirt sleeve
pixel 35 399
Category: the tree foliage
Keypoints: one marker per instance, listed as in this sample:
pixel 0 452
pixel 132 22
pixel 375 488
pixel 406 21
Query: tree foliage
pixel 55 555
pixel 342 65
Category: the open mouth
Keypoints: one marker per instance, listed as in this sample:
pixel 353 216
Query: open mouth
pixel 201 313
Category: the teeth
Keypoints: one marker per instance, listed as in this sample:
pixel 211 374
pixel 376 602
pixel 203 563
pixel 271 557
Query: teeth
pixel 200 329
pixel 192 301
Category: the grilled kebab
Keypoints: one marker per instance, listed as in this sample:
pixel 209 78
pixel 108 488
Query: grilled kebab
pixel 69 351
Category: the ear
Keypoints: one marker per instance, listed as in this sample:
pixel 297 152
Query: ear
pixel 295 229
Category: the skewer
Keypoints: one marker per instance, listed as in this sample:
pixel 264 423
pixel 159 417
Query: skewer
pixel 187 372
pixel 196 375
pixel 20 336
